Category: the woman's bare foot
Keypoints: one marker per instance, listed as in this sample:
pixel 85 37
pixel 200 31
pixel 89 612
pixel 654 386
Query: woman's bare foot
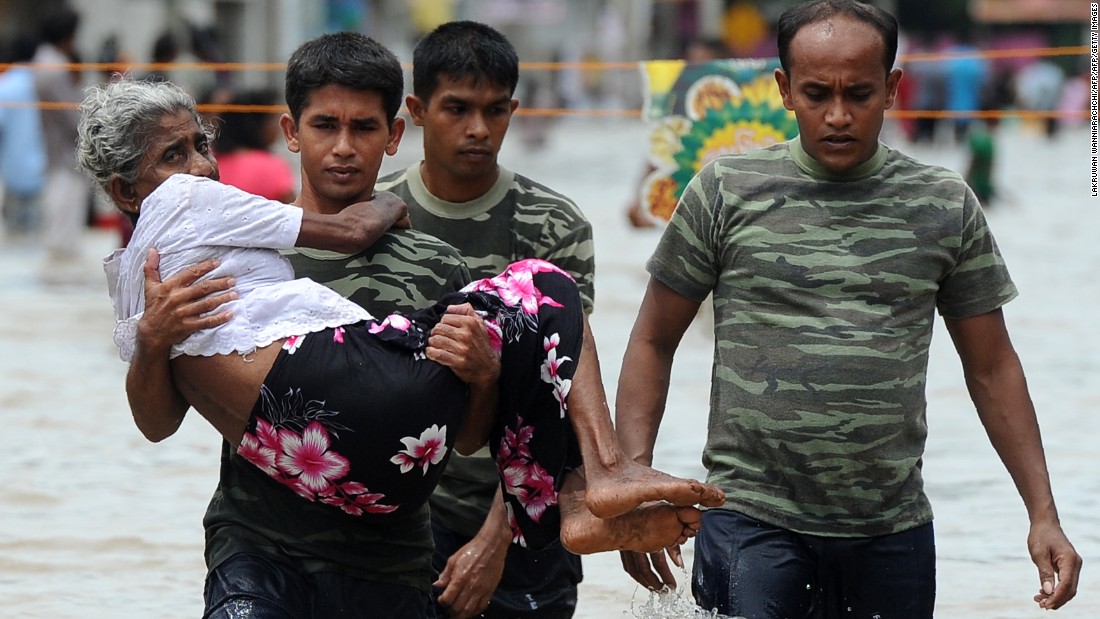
pixel 619 490
pixel 647 528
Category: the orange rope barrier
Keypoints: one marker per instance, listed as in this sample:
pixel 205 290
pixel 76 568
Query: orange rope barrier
pixel 1078 50
pixel 1035 52
pixel 620 113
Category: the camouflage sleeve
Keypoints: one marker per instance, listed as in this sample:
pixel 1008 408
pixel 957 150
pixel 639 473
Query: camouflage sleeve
pixel 980 281
pixel 684 259
pixel 574 252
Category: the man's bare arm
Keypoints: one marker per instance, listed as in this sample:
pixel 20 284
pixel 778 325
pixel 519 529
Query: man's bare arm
pixel 354 228
pixel 663 318
pixel 995 380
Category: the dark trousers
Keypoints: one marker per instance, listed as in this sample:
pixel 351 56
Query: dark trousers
pixel 258 588
pixel 749 569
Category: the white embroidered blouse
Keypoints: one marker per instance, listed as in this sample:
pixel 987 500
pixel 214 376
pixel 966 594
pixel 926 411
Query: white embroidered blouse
pixel 189 219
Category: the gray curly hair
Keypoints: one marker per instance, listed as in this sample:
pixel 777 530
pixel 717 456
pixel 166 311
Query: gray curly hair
pixel 116 120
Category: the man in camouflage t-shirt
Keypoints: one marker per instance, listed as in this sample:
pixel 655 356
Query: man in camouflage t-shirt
pixel 493 216
pixel 827 257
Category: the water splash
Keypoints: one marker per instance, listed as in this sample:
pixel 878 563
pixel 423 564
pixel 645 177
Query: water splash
pixel 669 604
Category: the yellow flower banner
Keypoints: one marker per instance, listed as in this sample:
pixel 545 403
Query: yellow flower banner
pixel 701 111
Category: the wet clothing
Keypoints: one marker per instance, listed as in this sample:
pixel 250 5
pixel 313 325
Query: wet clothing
pixel 808 576
pixel 338 447
pixel 357 418
pixel 516 218
pixel 256 587
pixel 537 582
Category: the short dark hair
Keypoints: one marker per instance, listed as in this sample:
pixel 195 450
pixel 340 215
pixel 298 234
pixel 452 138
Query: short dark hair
pixel 20 49
pixel 165 48
pixel 462 49
pixel 793 19
pixel 58 23
pixel 245 129
pixel 347 59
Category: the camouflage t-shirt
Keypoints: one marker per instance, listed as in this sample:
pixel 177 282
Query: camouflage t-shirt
pixel 250 513
pixel 825 291
pixel 517 218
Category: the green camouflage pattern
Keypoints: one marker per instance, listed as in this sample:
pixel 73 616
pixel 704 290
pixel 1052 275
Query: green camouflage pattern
pixel 404 270
pixel 517 218
pixel 824 295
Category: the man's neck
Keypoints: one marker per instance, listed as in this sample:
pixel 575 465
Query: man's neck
pixel 449 189
pixel 309 200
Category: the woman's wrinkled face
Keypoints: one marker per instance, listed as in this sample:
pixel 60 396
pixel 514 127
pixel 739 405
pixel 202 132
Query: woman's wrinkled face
pixel 178 145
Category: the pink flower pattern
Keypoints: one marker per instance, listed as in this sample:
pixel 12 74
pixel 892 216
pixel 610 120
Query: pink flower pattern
pixel 524 478
pixel 516 287
pixel 429 449
pixel 394 321
pixel 550 371
pixel 305 462
pixel 293 343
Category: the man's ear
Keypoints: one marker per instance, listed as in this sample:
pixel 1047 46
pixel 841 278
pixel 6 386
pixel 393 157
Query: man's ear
pixel 290 132
pixel 417 108
pixel 784 83
pixel 397 129
pixel 892 81
pixel 123 195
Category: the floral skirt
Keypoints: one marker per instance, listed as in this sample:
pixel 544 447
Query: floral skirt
pixel 356 417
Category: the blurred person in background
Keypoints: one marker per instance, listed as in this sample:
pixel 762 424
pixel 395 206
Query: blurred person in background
pixel 165 51
pixel 1039 88
pixel 22 145
pixel 928 77
pixel 65 198
pixel 243 148
pixel 968 75
pixel 981 145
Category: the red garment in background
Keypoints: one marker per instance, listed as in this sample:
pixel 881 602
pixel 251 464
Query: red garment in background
pixel 259 172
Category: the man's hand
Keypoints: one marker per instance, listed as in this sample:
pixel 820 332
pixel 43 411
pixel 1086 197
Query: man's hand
pixel 181 305
pixel 1059 565
pixel 474 571
pixel 461 343
pixel 174 309
pixel 388 202
pixel 651 570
